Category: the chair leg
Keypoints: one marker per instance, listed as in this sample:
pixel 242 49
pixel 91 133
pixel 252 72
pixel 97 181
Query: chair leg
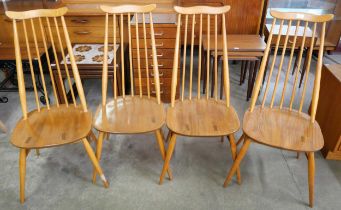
pixel 241 73
pixel 311 177
pixel 92 136
pixel 236 163
pixel 169 135
pixel 94 161
pixel 160 140
pixel 169 153
pixel 98 153
pixel 240 139
pixel 22 173
pixel 204 74
pixel 247 63
pixel 234 155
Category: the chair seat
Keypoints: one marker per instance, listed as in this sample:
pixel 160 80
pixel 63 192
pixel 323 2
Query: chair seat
pixel 284 129
pixel 54 127
pixel 130 115
pixel 201 117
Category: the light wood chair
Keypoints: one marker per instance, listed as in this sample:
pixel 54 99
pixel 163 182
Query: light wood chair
pixel 283 126
pixel 56 124
pixel 200 116
pixel 135 113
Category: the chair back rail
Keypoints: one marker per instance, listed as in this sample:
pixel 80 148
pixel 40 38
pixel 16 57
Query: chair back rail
pixel 119 15
pixel 296 19
pixel 34 20
pixel 190 24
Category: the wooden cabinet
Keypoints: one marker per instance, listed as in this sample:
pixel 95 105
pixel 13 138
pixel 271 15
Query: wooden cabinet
pixel 328 113
pixel 165 43
pixel 244 16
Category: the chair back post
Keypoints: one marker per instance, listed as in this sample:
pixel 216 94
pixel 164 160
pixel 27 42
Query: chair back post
pixel 136 54
pixel 105 63
pixel 32 36
pixel 74 67
pixel 176 62
pixel 155 63
pixel 20 74
pixel 289 17
pixel 226 66
pixel 192 14
pixel 317 81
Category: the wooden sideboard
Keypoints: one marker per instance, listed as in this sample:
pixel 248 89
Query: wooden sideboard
pixel 328 113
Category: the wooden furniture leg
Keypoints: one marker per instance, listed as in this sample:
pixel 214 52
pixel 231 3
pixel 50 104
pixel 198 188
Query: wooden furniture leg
pixel 266 67
pixel 247 63
pixel 22 173
pixel 160 140
pixel 204 74
pixel 221 80
pixel 98 153
pixel 169 135
pixel 212 75
pixel 311 177
pixel 240 139
pixel 236 163
pixel 241 73
pixel 234 155
pixel 304 67
pixel 255 71
pixel 169 153
pixel 251 70
pixel 95 162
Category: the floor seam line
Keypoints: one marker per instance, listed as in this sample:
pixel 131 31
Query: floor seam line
pixel 293 178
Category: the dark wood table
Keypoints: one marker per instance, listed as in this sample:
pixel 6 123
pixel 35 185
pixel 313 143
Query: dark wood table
pixel 247 48
pixel 328 113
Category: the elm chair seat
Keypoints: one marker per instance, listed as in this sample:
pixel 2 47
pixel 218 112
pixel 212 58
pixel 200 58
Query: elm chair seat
pixel 62 125
pixel 130 115
pixel 202 117
pixel 284 129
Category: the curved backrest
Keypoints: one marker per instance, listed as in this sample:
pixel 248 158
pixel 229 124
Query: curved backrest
pixel 139 57
pixel 35 31
pixel 190 14
pixel 298 26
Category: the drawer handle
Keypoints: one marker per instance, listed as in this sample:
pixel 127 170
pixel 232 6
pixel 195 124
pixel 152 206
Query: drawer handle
pixel 159 65
pixel 79 21
pixel 160 74
pixel 153 83
pixel 154 92
pixel 157 55
pixel 159 45
pixel 158 34
pixel 82 32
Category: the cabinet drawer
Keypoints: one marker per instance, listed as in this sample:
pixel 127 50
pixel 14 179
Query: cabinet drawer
pixel 97 21
pixel 165 73
pixel 159 32
pixel 7 34
pixel 162 63
pixel 161 54
pixel 159 43
pixel 85 34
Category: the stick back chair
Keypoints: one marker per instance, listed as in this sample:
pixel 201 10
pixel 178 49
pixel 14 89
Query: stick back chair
pixel 285 125
pixel 56 124
pixel 134 113
pixel 200 115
